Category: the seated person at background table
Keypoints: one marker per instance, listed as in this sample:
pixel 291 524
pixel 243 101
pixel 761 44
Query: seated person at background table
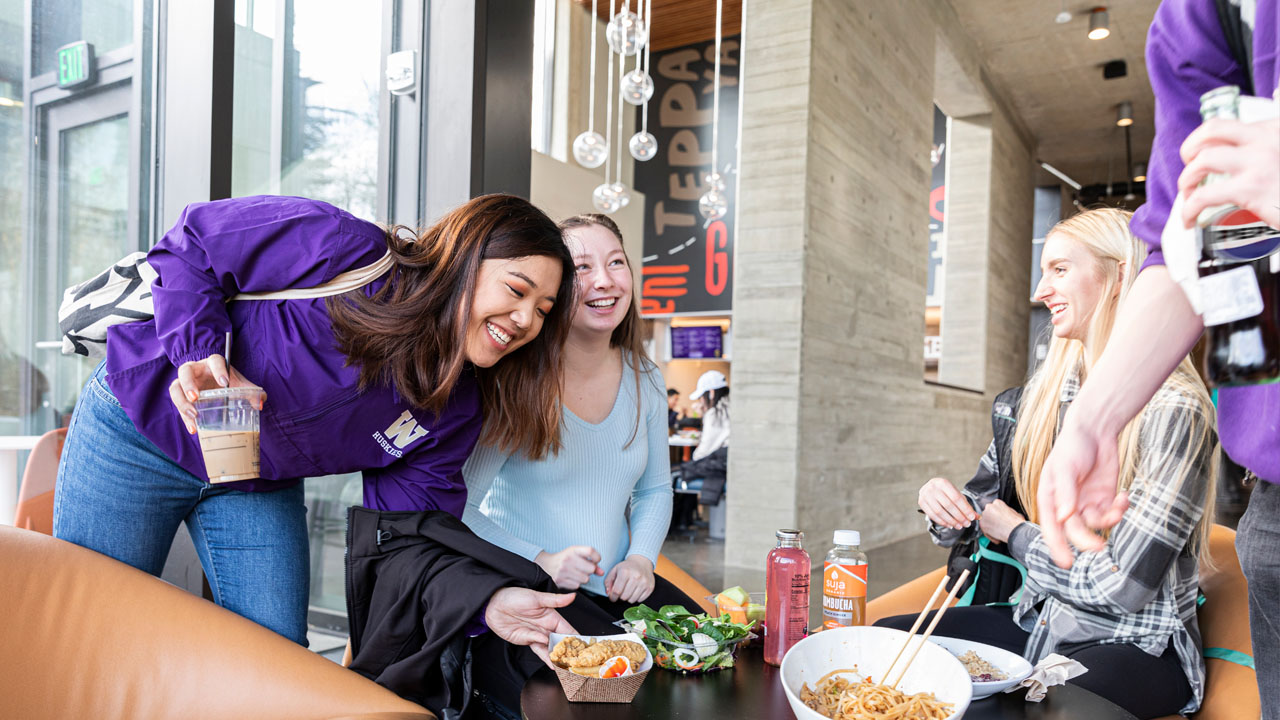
pixel 711 401
pixel 710 460
pixel 468 322
pixel 1128 611
pixel 673 410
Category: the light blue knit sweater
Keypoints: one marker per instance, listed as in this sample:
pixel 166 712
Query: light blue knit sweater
pixel 580 496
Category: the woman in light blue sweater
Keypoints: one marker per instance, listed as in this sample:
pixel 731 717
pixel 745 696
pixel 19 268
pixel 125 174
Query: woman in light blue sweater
pixel 569 512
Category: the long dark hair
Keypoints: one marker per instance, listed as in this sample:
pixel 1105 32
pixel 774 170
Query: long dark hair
pixel 629 334
pixel 411 333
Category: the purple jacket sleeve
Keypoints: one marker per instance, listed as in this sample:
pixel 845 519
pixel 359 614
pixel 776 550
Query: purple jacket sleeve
pixel 1187 56
pixel 430 478
pixel 256 244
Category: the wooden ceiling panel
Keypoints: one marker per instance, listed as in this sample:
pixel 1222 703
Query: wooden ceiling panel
pixel 682 22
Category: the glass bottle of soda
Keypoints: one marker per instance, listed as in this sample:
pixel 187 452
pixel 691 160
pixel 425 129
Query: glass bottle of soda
pixel 786 582
pixel 1239 279
pixel 844 582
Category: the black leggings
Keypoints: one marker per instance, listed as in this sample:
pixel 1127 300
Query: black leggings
pixel 1145 685
pixel 500 669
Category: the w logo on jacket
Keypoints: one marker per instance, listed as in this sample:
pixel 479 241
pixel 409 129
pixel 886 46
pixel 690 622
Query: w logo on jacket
pixel 404 430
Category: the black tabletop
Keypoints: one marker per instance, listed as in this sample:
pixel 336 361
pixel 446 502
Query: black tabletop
pixel 753 691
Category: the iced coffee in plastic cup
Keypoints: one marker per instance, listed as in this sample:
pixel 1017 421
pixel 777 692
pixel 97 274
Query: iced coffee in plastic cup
pixel 227 423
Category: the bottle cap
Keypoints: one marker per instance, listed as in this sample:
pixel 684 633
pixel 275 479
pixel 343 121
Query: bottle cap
pixel 790 535
pixel 847 537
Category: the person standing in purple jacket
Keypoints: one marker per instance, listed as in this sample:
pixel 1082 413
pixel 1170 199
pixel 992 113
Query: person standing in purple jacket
pixel 1188 54
pixel 394 379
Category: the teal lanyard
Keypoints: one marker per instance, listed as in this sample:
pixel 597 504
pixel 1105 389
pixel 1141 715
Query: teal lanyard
pixel 984 551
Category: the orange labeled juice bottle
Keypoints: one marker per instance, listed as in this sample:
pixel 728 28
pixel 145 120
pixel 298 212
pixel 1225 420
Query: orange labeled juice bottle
pixel 844 582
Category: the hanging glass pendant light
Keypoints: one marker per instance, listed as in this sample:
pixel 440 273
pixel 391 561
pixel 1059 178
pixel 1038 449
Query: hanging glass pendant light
pixel 713 204
pixel 589 149
pixel 605 197
pixel 637 87
pixel 626 32
pixel 621 194
pixel 643 145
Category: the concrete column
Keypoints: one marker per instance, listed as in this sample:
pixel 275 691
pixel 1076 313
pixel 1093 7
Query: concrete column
pixel 833 424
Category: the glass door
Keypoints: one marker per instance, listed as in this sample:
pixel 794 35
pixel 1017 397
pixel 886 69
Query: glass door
pixel 85 153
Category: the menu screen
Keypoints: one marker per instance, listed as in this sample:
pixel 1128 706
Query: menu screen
pixel 697 342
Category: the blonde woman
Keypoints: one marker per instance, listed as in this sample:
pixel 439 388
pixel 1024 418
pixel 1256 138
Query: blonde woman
pixel 1128 611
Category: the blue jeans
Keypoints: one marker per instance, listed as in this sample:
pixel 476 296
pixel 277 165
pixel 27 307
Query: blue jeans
pixel 1258 545
pixel 118 494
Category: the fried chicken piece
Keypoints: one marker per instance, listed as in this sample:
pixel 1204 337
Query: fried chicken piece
pixel 597 653
pixel 566 650
pixel 574 652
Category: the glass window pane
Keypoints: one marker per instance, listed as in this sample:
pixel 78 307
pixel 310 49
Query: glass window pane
pixel 18 395
pixel 325 144
pixel 105 24
pixel 937 246
pixel 327 501
pixel 306 123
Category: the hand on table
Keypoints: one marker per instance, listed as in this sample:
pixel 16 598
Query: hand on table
pixel 630 580
pixel 525 617
pixel 208 374
pixel 1248 152
pixel 571 567
pixel 944 505
pixel 1078 492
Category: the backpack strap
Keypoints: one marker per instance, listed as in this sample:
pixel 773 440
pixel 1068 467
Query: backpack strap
pixel 344 282
pixel 1233 30
pixel 985 551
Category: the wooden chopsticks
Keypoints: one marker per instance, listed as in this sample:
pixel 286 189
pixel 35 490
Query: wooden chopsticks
pixel 928 631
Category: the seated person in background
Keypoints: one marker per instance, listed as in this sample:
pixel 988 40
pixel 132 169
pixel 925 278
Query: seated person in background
pixel 593 515
pixel 711 457
pixel 711 401
pixel 1126 612
pixel 673 410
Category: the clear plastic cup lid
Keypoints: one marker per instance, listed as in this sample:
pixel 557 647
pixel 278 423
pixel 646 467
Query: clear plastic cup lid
pixel 236 393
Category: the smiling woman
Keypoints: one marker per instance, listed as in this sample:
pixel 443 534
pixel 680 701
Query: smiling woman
pixel 594 515
pixel 393 379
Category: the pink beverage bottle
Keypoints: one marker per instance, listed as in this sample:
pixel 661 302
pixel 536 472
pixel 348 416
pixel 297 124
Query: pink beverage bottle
pixel 786 578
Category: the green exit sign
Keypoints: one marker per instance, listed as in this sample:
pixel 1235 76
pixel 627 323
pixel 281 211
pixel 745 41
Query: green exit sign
pixel 76 65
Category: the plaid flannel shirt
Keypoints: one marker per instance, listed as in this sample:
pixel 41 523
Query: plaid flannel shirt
pixel 1141 588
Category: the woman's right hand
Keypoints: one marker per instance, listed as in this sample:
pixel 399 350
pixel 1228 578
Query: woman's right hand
pixel 571 567
pixel 208 374
pixel 945 506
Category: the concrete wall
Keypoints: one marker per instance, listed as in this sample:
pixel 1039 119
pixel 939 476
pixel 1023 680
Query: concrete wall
pixel 834 426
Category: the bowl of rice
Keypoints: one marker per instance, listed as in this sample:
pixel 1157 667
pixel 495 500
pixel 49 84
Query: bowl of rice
pixel 990 668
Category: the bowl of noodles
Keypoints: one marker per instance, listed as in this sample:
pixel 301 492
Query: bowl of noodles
pixel 838 675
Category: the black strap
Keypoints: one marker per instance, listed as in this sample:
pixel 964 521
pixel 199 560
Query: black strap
pixel 1233 31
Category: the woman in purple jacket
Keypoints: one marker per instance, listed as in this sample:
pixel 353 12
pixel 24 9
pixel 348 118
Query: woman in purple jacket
pixel 393 379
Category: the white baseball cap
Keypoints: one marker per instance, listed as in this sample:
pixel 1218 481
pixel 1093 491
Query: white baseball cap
pixel 709 380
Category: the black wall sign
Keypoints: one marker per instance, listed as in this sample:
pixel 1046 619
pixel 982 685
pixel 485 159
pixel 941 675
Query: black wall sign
pixel 688 262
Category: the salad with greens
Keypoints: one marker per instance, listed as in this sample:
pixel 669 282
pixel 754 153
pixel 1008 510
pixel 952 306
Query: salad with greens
pixel 686 642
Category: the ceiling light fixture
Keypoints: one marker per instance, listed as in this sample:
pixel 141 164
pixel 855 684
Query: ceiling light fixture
pixel 1063 16
pixel 1140 172
pixel 1124 114
pixel 1099 24
pixel 1060 175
